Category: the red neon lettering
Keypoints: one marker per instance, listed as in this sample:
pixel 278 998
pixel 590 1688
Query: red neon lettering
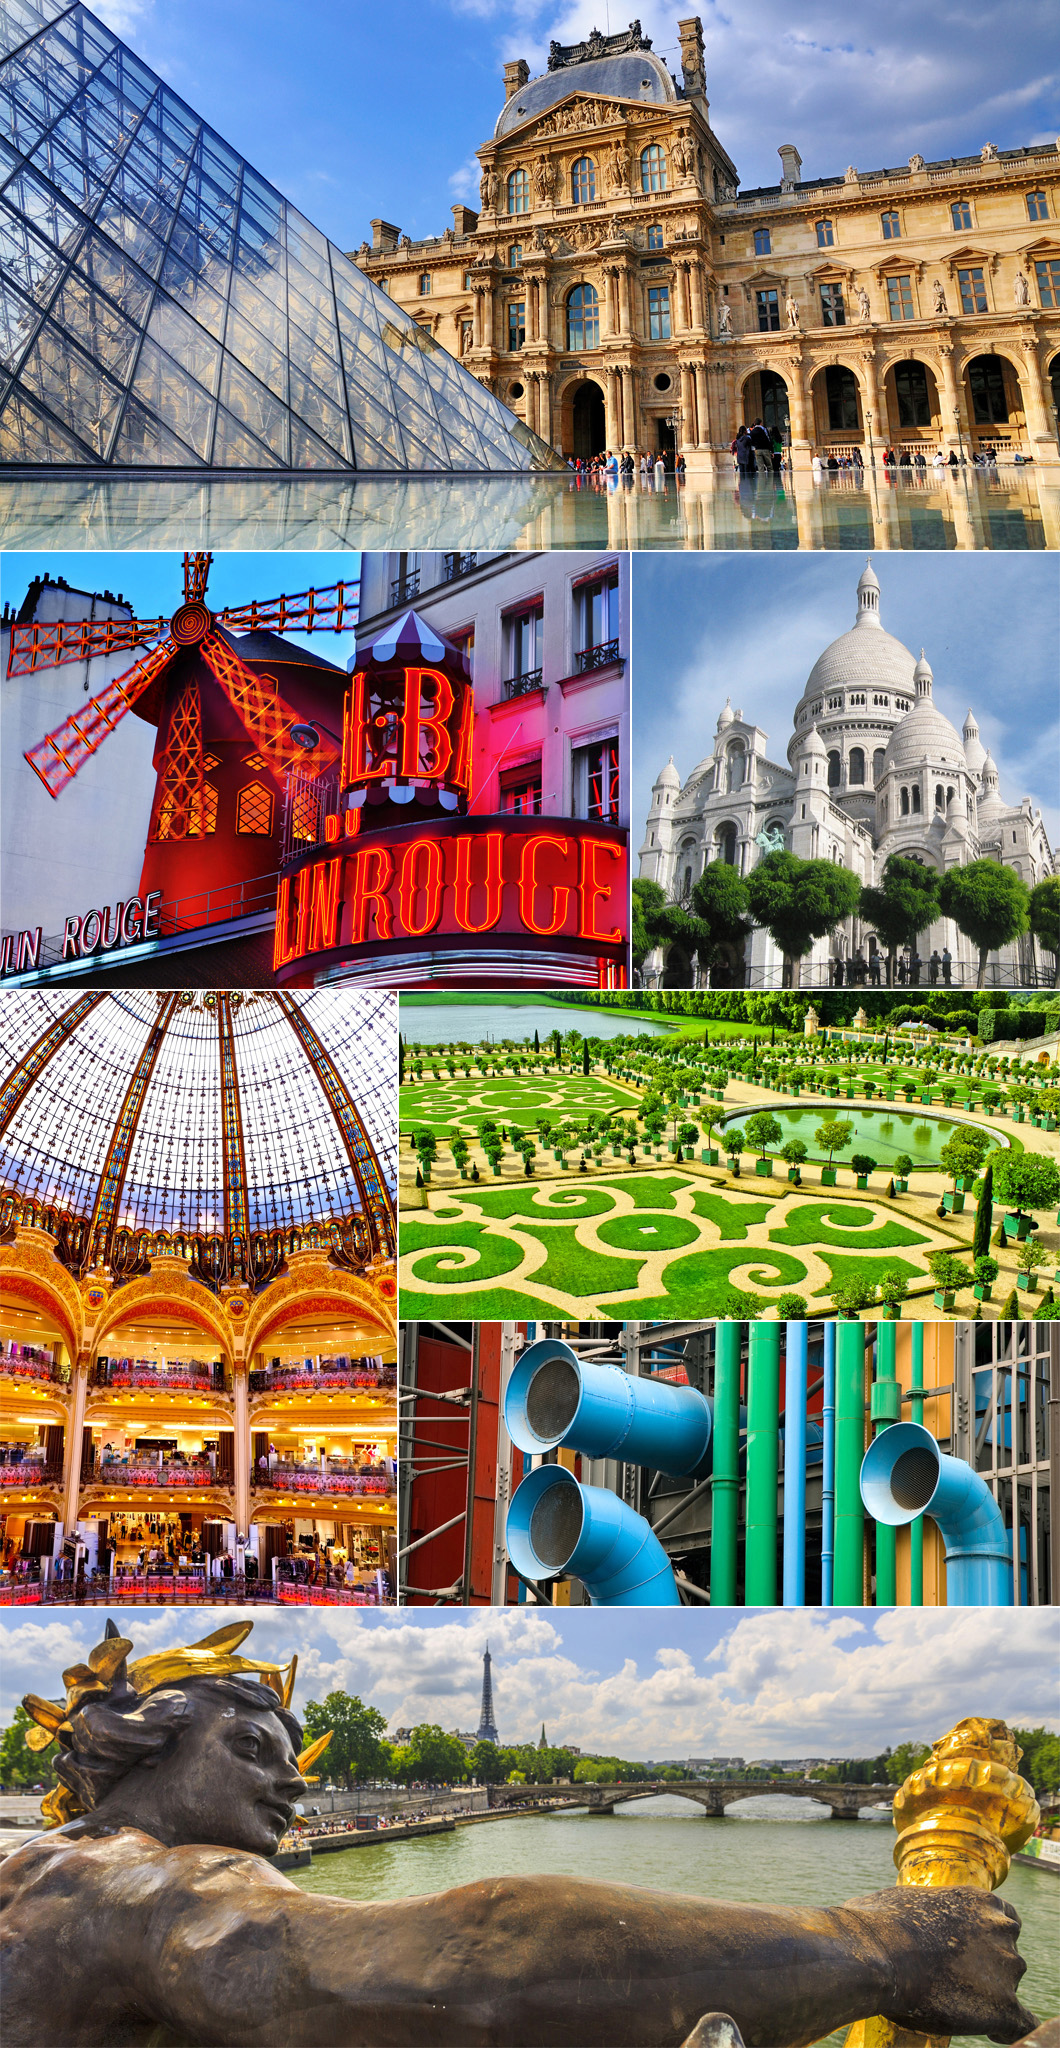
pixel 431 725
pixel 71 939
pixel 351 823
pixel 325 888
pixel 491 880
pixel 529 883
pixel 415 878
pixel 331 827
pixel 373 870
pixel 282 952
pixel 353 731
pixel 592 888
pixel 461 775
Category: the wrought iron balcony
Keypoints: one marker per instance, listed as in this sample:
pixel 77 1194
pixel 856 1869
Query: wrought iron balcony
pixel 596 657
pixel 459 565
pixel 520 686
pixel 31 1472
pixel 405 587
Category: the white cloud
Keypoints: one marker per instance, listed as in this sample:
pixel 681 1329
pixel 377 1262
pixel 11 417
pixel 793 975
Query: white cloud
pixel 124 16
pixel 463 184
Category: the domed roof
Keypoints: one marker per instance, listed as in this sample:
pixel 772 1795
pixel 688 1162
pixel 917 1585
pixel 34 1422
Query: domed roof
pixel 974 751
pixel 199 1112
pixel 634 75
pixel 668 777
pixel 726 714
pixel 866 655
pixel 990 801
pixel 812 743
pixel 924 737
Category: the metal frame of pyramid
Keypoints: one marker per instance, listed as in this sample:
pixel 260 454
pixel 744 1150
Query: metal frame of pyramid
pixel 163 307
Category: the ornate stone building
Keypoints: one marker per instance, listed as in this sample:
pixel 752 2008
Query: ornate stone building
pixel 618 290
pixel 874 767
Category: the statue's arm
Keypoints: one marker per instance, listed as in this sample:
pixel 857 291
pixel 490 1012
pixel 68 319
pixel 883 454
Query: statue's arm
pixel 244 1957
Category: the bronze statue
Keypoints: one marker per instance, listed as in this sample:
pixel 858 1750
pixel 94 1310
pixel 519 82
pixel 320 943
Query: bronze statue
pixel 150 1917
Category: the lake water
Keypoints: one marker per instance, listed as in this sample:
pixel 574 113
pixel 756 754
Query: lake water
pixel 1015 511
pixel 754 1856
pixel 882 1133
pixel 430 1022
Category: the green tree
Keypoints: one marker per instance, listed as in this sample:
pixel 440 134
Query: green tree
pixel 433 1756
pixel 984 1215
pixel 905 905
pixel 763 1130
pixel 792 1308
pixel 962 1155
pixel 833 1136
pixel 648 898
pixel 740 1307
pixel 894 1288
pixel 949 1272
pixel 851 1296
pixel 903 1761
pixel 486 1763
pixel 798 901
pixel 719 905
pixel 988 903
pixel 357 1749
pixel 1041 1758
pixel 1026 1180
pixel 1045 919
pixel 794 1151
pixel 20 1765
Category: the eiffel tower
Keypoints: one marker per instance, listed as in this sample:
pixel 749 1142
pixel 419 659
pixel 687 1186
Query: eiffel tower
pixel 487 1726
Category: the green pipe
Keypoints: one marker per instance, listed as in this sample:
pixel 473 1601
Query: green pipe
pixel 725 1493
pixel 885 1410
pixel 916 1529
pixel 848 1577
pixel 763 1464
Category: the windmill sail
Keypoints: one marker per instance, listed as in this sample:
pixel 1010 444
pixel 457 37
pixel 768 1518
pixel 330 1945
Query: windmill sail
pixel 162 306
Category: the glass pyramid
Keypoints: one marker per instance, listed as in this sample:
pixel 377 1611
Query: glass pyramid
pixel 163 306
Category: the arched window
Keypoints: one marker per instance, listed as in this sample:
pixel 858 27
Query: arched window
pixel 726 842
pixel 905 803
pixel 841 389
pixel 655 235
pixel 892 227
pixel 686 885
pixel 583 317
pixel 254 809
pixel 916 797
pixel 911 391
pixel 835 770
pixel 940 801
pixel 519 192
pixel 949 798
pixel 883 810
pixel 856 770
pixel 652 168
pixel 583 181
pixel 877 764
pixel 825 234
pixel 737 764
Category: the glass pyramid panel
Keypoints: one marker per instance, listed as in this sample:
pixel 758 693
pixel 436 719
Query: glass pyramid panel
pixel 164 306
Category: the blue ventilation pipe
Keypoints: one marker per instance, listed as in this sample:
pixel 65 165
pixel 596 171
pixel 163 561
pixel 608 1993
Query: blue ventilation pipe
pixel 795 1465
pixel 556 1399
pixel 904 1474
pixel 556 1526
pixel 828 1468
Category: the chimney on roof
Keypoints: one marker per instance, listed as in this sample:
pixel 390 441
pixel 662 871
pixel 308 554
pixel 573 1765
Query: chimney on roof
pixel 690 32
pixel 516 75
pixel 464 220
pixel 791 163
pixel 384 237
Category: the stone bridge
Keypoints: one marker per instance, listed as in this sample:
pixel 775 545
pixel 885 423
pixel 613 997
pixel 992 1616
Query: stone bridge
pixel 844 1801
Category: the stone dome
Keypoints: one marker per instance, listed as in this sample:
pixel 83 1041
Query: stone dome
pixel 924 738
pixel 633 75
pixel 867 656
pixel 668 777
pixel 990 801
pixel 726 714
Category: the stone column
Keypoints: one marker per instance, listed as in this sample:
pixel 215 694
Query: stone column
pixel 625 301
pixel 607 324
pixel 871 401
pixel 545 407
pixel 479 292
pixel 952 399
pixel 241 1448
pixel 688 419
pixel 1036 412
pixel 680 299
pixel 696 276
pixel 800 448
pixel 702 406
pixel 629 410
pixel 533 332
pixel 611 428
pixel 75 1422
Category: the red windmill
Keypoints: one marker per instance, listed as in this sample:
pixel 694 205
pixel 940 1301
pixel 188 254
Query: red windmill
pixel 233 719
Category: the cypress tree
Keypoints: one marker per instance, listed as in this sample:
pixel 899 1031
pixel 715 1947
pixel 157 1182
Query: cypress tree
pixel 984 1216
pixel 1011 1311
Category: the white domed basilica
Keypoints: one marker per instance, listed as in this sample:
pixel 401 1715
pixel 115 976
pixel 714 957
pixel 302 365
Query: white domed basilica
pixel 873 768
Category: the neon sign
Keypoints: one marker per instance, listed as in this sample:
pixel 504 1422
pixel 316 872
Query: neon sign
pixel 101 931
pixel 454 880
pixel 409 725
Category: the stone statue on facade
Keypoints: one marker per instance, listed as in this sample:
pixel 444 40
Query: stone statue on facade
pixel 617 165
pixel 488 188
pixel 938 296
pixel 770 839
pixel 988 153
pixel 1021 289
pixel 791 308
pixel 916 161
pixel 544 179
pixel 864 306
pixel 467 338
pixel 724 323
pixel 150 1911
pixel 405 242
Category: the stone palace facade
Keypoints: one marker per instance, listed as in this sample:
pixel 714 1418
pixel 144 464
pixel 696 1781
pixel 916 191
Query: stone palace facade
pixel 617 290
pixel 873 768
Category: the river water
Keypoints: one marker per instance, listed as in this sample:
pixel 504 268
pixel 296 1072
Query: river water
pixel 427 1021
pixel 769 1851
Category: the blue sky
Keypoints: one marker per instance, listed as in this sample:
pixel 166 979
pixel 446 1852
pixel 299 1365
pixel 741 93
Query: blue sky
pixel 707 627
pixel 356 110
pixel 636 1682
pixel 154 584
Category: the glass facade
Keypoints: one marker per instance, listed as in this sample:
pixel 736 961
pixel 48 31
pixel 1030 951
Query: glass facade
pixel 163 306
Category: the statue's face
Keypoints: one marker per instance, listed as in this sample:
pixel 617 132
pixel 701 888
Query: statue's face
pixel 232 1778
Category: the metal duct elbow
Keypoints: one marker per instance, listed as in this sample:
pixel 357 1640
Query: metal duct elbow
pixel 555 1525
pixel 904 1474
pixel 554 1398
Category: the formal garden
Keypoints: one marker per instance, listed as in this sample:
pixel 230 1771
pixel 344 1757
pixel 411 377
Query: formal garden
pixel 848 1170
